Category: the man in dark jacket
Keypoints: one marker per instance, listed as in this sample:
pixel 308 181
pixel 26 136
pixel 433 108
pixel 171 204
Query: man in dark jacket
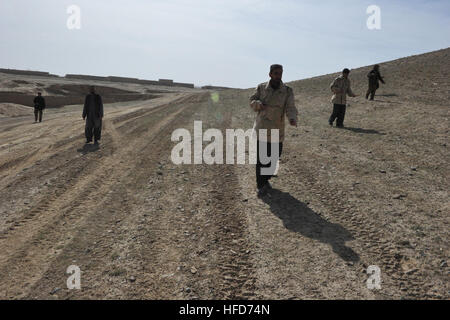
pixel 93 113
pixel 39 106
pixel 374 76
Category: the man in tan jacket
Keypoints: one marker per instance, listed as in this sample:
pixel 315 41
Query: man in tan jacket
pixel 341 88
pixel 272 101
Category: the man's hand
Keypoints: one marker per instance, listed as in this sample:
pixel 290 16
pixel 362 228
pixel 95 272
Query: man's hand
pixel 257 105
pixel 293 122
pixel 84 118
pixel 261 106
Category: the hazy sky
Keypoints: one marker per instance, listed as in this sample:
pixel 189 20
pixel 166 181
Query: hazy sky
pixel 230 42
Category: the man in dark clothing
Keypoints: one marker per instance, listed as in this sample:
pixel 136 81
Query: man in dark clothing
pixel 374 76
pixel 39 106
pixel 93 113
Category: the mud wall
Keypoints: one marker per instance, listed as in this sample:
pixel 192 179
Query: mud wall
pixel 162 82
pixel 27 72
pixel 85 77
pixel 60 101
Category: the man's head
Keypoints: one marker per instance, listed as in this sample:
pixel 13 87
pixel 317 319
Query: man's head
pixel 39 93
pixel 376 67
pixel 92 89
pixel 276 73
pixel 345 73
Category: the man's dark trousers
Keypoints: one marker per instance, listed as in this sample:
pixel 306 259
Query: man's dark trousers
pixel 339 113
pixel 371 90
pixel 37 112
pixel 261 180
pixel 93 128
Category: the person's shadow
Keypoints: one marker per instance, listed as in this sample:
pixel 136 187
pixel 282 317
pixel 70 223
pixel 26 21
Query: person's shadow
pixel 297 217
pixel 361 130
pixel 89 148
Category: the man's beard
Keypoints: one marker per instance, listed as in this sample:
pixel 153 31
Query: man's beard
pixel 275 84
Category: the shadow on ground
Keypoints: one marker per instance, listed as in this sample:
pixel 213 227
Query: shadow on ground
pixel 386 101
pixel 361 130
pixel 89 148
pixel 388 95
pixel 297 217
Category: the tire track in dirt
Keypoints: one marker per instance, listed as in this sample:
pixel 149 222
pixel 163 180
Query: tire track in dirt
pixel 223 253
pixel 236 268
pixel 71 135
pixel 55 156
pixel 196 232
pixel 376 247
pixel 149 244
pixel 67 205
pixel 122 201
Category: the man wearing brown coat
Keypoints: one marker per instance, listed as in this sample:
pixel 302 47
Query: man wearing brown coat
pixel 340 88
pixel 273 101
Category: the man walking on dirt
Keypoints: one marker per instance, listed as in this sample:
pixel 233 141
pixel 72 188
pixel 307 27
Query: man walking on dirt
pixel 93 113
pixel 39 106
pixel 340 88
pixel 374 75
pixel 272 100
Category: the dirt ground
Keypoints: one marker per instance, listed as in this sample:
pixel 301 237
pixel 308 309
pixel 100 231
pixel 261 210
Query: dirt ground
pixel 13 110
pixel 140 227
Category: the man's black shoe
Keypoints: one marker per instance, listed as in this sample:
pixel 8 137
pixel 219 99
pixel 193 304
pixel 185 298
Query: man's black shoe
pixel 262 191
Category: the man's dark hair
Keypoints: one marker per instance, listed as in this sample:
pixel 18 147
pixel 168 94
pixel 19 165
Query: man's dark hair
pixel 276 66
pixel 346 71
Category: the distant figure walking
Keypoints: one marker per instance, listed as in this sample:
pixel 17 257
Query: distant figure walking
pixel 273 101
pixel 340 88
pixel 39 106
pixel 93 113
pixel 374 75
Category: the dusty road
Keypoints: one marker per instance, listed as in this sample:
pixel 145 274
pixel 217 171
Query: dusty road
pixel 141 227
